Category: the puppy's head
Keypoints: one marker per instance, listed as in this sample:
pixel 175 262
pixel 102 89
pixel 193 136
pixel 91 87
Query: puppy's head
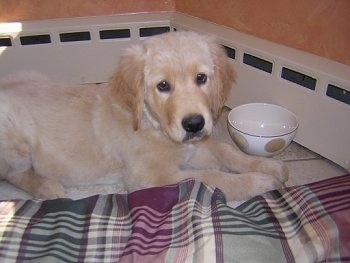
pixel 178 81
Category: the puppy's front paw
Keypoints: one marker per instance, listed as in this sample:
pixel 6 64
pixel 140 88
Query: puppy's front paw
pixel 276 168
pixel 50 189
pixel 263 183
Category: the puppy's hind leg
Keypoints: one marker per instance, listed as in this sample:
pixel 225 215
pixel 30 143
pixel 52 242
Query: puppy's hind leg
pixel 18 171
pixel 37 186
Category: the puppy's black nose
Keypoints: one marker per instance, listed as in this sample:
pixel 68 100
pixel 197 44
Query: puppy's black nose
pixel 193 123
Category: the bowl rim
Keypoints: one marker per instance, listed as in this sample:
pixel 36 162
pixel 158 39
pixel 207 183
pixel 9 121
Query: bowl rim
pixel 264 136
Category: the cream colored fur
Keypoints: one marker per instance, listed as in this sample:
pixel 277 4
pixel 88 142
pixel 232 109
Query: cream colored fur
pixel 130 130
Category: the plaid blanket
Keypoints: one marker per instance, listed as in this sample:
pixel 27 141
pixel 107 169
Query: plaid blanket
pixel 186 222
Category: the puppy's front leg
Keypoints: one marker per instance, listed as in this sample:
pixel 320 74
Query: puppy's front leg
pixel 221 156
pixel 236 187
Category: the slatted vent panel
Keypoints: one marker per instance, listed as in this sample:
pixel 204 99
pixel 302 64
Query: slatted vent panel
pixel 5 42
pixel 115 34
pixel 75 36
pixel 338 93
pixel 257 62
pixel 299 78
pixel 151 31
pixel 35 40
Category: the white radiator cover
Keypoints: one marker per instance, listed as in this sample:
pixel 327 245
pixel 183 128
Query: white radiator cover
pixel 324 122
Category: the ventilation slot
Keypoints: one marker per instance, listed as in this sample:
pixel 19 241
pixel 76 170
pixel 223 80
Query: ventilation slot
pixel 231 53
pixel 258 63
pixel 151 31
pixel 75 36
pixel 35 40
pixel 115 33
pixel 338 93
pixel 5 42
pixel 298 78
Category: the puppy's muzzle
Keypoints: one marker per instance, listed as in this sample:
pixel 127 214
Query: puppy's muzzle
pixel 193 125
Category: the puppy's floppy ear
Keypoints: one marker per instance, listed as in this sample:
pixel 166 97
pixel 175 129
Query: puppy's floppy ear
pixel 127 83
pixel 224 77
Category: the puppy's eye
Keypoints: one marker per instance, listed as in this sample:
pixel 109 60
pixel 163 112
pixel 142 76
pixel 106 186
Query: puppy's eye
pixel 201 78
pixel 163 86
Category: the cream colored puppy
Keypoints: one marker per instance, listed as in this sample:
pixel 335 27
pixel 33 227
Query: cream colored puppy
pixel 149 126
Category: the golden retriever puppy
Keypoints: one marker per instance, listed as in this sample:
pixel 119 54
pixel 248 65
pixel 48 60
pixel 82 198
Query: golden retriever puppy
pixel 149 126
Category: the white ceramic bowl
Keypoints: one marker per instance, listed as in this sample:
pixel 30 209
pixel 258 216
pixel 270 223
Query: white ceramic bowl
pixel 262 129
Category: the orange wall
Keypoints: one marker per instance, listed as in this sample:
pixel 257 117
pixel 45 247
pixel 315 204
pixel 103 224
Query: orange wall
pixel 321 27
